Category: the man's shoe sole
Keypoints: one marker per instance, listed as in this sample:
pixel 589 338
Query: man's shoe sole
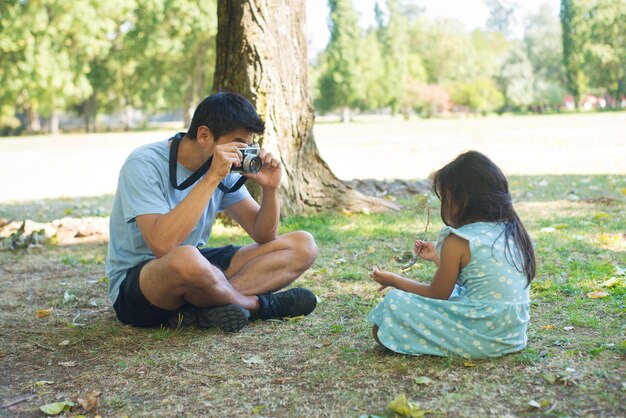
pixel 228 318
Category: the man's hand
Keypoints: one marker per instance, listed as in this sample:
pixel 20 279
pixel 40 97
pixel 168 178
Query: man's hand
pixel 225 157
pixel 270 173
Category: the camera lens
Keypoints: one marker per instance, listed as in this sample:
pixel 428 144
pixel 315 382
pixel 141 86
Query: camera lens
pixel 252 164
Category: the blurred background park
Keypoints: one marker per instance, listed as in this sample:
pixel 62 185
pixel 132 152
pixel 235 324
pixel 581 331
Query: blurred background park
pixel 478 73
pixel 125 64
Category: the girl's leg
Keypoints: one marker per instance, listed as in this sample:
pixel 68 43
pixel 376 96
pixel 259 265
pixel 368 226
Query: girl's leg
pixel 375 333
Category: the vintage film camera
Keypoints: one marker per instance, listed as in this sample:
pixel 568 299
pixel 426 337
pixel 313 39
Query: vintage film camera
pixel 251 162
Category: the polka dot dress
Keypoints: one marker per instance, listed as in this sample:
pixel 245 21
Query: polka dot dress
pixel 486 315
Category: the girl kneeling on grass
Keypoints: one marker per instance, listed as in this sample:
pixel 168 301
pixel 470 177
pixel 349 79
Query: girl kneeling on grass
pixel 478 302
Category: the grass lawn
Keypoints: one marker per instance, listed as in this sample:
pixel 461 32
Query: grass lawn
pixel 327 364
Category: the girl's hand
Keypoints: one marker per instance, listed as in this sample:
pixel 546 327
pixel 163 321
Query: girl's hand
pixel 384 278
pixel 425 250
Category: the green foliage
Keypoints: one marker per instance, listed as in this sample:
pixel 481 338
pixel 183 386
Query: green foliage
pixel 340 80
pixel 573 25
pixel 516 79
pixel 112 56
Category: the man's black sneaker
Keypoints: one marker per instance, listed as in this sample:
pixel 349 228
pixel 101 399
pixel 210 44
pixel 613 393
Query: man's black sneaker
pixel 228 318
pixel 287 304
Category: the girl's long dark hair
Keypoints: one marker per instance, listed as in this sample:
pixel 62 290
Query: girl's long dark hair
pixel 472 189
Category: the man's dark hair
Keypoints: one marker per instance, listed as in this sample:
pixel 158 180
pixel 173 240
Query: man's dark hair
pixel 224 112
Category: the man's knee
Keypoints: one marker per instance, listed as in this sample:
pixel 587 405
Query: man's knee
pixel 191 269
pixel 304 246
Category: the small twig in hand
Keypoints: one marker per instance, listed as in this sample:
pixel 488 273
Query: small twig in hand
pixel 419 249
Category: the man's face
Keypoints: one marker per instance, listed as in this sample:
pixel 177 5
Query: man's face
pixel 238 135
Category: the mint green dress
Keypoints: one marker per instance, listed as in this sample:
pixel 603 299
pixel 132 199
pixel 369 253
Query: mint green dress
pixel 485 316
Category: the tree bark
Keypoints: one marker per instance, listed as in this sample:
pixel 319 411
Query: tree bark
pixel 54 122
pixel 262 54
pixel 33 124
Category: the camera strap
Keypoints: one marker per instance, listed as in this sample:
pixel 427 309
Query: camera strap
pixel 198 173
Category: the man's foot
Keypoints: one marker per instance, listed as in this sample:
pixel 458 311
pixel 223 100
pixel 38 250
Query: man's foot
pixel 287 304
pixel 228 318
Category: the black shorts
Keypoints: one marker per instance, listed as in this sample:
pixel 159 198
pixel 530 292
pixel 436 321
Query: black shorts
pixel 132 307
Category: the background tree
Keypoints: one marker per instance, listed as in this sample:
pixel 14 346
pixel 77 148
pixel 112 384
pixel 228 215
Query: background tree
pixel 262 54
pixel 573 27
pixel 605 49
pixel 393 37
pixel 501 16
pixel 340 81
pixel 543 45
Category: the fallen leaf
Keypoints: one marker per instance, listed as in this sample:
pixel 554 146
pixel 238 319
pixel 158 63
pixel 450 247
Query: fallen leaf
pixel 56 408
pixel 258 409
pixel 597 295
pixel 42 313
pixel 423 380
pixel 542 404
pixel 601 216
pixel 469 364
pixel 64 343
pixel 612 282
pixel 347 212
pixel 371 250
pixel 549 377
pixel 42 383
pixel 253 360
pixel 548 229
pixel 67 363
pixel 91 402
pixel 281 380
pixel 294 318
pixel 548 327
pixel 402 406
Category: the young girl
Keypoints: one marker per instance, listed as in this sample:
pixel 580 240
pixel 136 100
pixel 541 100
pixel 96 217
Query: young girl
pixel 477 304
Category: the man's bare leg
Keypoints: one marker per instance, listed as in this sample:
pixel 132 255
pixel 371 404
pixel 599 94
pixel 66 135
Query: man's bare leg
pixel 184 275
pixel 256 269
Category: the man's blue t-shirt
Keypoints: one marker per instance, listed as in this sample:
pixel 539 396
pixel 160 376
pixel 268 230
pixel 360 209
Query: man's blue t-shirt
pixel 144 188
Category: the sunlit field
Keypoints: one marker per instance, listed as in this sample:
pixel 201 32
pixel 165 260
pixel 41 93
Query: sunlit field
pixel 370 147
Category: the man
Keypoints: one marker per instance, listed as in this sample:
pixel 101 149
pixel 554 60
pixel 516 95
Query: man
pixel 167 198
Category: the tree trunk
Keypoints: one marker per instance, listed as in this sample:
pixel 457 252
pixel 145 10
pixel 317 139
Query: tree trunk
pixel 89 114
pixel 54 122
pixel 262 54
pixel 345 115
pixel 33 124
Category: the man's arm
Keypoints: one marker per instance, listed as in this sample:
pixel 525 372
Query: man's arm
pixel 260 222
pixel 163 233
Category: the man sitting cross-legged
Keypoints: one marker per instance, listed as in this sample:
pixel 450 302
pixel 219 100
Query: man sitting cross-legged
pixel 162 215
